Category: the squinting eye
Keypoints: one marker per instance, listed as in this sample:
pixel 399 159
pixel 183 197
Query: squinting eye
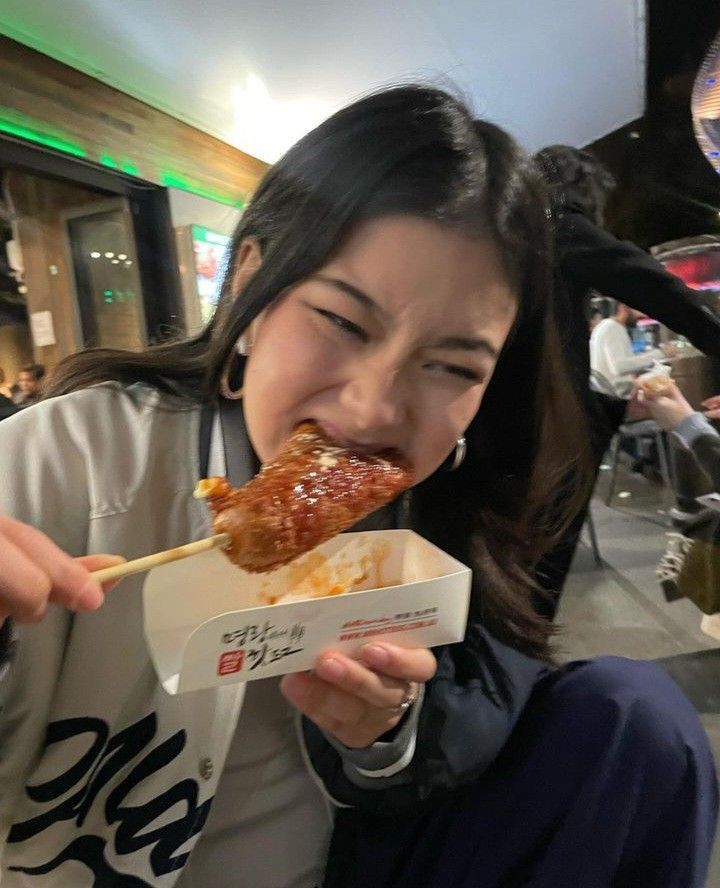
pixel 456 370
pixel 343 324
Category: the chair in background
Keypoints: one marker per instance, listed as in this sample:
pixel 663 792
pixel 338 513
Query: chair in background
pixel 645 430
pixel 642 431
pixel 590 524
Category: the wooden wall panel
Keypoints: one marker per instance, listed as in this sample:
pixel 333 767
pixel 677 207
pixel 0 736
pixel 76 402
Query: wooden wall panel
pixel 40 231
pixel 105 123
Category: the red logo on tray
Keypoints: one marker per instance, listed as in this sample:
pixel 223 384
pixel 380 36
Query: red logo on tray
pixel 230 662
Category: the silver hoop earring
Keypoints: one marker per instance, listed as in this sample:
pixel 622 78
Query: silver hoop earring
pixel 225 390
pixel 242 346
pixel 459 456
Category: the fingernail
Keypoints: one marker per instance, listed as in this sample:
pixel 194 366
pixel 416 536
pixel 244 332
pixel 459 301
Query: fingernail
pixel 376 655
pixel 331 669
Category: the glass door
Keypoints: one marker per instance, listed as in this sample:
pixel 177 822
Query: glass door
pixel 108 291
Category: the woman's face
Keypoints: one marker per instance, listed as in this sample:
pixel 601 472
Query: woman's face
pixel 392 343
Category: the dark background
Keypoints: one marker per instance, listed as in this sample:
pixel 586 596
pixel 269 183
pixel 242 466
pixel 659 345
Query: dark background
pixel 667 189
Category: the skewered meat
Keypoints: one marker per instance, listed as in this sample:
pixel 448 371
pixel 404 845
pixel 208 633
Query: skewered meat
pixel 311 492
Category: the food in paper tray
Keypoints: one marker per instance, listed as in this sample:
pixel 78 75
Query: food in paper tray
pixel 313 490
pixel 361 565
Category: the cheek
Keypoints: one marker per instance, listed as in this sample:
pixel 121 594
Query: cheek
pixel 439 430
pixel 285 369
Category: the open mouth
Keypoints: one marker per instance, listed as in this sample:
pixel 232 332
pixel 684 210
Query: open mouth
pixel 364 448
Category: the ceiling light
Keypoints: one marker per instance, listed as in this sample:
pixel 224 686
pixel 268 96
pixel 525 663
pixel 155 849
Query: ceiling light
pixel 94 254
pixel 109 255
pixel 122 255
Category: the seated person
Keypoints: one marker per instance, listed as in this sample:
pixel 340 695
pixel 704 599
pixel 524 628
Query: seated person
pixel 611 352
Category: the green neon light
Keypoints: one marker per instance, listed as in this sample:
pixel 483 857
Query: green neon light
pixel 14 124
pixel 173 180
pixel 200 233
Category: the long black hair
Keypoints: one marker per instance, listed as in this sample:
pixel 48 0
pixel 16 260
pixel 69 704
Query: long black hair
pixel 415 150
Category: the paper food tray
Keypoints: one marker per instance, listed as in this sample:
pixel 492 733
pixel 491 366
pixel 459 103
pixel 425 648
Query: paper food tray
pixel 207 623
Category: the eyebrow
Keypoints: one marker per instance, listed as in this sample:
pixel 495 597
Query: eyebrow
pixel 468 343
pixel 453 343
pixel 357 294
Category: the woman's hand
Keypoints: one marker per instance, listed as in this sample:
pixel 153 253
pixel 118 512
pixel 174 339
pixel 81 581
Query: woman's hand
pixel 712 407
pixel 34 573
pixel 358 700
pixel 667 407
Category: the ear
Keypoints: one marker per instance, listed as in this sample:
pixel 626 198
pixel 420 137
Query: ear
pixel 247 261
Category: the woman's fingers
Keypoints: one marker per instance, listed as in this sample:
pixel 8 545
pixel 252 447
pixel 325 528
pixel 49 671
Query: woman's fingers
pixel 66 581
pixel 98 562
pixel 347 717
pixel 328 707
pixel 24 587
pixel 35 572
pixel 356 679
pixel 357 700
pixel 411 664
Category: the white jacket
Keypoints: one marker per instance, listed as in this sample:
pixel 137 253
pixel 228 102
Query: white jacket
pixel 104 470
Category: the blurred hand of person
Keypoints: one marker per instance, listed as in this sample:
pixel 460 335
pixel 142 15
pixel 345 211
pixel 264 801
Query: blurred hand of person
pixel 712 407
pixel 35 573
pixel 667 407
pixel 636 408
pixel 669 350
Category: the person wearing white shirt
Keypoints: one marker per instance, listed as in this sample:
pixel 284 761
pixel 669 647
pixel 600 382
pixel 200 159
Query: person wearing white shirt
pixel 611 352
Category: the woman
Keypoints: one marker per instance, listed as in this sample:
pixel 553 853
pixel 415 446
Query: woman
pixel 390 280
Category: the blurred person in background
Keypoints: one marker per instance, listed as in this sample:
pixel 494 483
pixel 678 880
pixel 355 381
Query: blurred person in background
pixel 611 351
pixel 712 407
pixel 699 439
pixel 595 317
pixel 588 258
pixel 29 385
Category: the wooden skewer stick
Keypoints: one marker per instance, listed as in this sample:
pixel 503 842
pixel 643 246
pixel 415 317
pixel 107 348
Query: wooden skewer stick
pixel 138 565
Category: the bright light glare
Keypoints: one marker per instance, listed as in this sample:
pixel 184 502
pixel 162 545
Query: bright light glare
pixel 266 127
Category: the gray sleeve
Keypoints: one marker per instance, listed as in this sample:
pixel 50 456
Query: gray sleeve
pixel 693 427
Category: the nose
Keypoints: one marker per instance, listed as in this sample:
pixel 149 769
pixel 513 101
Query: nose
pixel 374 402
